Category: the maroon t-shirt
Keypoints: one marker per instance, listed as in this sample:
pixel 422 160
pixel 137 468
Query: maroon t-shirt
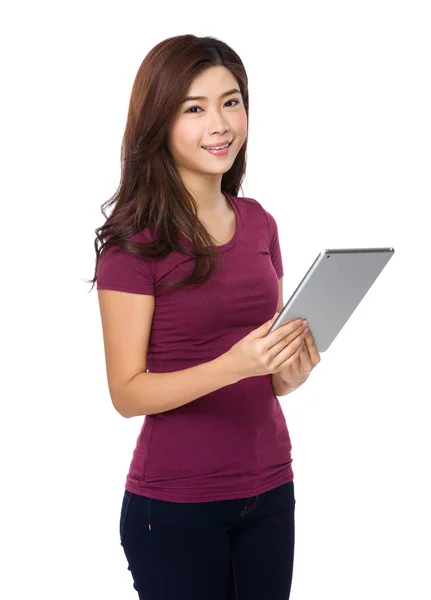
pixel 233 442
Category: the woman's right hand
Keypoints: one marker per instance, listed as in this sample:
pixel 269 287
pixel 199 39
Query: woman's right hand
pixel 258 355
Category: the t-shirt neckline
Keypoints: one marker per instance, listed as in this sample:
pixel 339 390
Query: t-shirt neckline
pixel 223 247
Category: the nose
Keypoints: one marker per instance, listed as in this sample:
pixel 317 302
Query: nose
pixel 217 123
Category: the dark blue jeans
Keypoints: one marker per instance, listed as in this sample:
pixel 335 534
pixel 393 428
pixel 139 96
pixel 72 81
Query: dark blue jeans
pixel 238 549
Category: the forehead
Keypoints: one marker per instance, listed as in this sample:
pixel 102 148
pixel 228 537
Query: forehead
pixel 212 82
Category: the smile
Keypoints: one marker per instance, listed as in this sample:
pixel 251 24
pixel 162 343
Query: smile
pixel 218 151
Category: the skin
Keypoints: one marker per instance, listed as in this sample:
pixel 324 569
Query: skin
pixel 208 123
pixel 305 357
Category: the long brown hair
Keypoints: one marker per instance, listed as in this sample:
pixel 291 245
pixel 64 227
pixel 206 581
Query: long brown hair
pixel 151 193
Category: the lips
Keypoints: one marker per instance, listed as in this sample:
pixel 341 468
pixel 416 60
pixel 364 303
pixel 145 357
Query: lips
pixel 218 145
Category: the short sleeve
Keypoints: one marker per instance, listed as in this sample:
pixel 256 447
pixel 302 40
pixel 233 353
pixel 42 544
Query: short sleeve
pixel 274 245
pixel 124 272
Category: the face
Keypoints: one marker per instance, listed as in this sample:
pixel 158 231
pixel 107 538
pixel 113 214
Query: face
pixel 208 122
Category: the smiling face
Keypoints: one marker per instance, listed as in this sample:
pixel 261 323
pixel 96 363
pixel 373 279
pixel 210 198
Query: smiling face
pixel 207 122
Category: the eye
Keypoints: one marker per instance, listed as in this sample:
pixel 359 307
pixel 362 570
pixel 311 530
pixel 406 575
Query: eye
pixel 196 106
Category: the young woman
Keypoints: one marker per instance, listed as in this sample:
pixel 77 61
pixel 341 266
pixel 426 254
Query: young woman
pixel 208 506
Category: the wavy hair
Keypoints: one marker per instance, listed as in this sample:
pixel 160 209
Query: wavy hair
pixel 151 193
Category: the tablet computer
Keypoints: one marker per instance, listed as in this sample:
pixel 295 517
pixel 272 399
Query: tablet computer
pixel 331 290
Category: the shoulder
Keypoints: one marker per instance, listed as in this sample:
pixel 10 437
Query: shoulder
pixel 256 210
pixel 123 271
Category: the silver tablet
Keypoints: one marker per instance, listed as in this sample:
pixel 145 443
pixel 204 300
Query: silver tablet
pixel 331 290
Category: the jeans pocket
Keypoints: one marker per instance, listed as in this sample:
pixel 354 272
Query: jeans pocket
pixel 124 510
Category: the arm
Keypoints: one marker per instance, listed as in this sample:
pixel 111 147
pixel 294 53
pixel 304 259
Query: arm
pixel 126 323
pixel 149 393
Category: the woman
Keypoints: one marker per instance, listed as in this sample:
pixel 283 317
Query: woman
pixel 208 507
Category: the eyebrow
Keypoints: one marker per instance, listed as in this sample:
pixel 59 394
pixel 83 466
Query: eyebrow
pixel 234 91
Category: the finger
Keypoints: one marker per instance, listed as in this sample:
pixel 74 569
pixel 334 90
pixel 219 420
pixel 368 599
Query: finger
pixel 296 370
pixel 305 367
pixel 296 336
pixel 312 348
pixel 290 354
pixel 292 327
pixel 306 363
pixel 295 367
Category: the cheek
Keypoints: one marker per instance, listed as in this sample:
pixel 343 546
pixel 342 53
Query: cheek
pixel 240 124
pixel 185 134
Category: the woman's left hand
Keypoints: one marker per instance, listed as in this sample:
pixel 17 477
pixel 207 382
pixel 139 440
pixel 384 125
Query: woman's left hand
pixel 298 372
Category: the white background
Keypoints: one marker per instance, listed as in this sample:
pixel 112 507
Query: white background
pixel 339 152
